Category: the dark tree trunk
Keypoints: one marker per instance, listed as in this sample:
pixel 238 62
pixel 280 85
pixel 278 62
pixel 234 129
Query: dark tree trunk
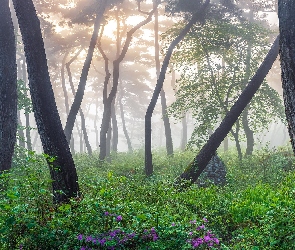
pixel 62 168
pixel 167 127
pixel 83 127
pixel 116 73
pixel 8 87
pixel 200 162
pixel 287 54
pixel 198 16
pixel 81 87
pixel 115 134
pixel 27 115
pixel 249 133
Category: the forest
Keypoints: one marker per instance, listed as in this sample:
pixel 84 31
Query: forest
pixel 147 124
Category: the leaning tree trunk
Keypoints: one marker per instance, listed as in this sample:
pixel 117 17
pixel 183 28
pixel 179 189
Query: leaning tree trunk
pixel 62 167
pixel 8 87
pixel 202 159
pixel 198 16
pixel 287 54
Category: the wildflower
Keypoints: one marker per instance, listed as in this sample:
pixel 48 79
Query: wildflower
pixel 173 224
pixel 205 220
pixel 207 238
pixel 119 218
pixel 88 238
pixel 190 233
pixel 193 222
pixel 80 237
pixel 106 213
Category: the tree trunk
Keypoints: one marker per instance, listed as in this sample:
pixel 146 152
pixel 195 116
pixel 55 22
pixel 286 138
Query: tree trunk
pixel 198 16
pixel 200 162
pixel 62 167
pixel 249 133
pixel 183 132
pixel 115 134
pixel 287 54
pixel 8 87
pixel 81 87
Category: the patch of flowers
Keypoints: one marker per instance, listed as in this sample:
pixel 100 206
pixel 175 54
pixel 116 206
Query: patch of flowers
pixel 117 238
pixel 200 236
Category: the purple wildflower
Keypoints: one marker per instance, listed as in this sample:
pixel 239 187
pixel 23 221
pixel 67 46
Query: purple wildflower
pixel 119 218
pixel 80 237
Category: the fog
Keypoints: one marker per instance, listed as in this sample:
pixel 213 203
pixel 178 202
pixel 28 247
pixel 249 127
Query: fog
pixel 67 28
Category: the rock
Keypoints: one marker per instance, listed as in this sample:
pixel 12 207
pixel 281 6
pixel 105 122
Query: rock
pixel 214 173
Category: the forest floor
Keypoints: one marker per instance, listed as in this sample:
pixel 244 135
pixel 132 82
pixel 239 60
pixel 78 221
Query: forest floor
pixel 120 208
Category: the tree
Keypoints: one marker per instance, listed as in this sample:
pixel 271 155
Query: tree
pixel 198 16
pixel 8 87
pixel 193 171
pixel 287 54
pixel 216 64
pixel 55 146
pixel 108 99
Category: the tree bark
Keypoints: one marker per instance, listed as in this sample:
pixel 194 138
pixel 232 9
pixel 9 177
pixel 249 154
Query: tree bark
pixel 8 87
pixel 62 167
pixel 198 16
pixel 81 87
pixel 287 53
pixel 202 159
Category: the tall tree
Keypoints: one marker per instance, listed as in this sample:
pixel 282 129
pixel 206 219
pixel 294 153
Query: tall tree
pixel 198 16
pixel 287 55
pixel 193 171
pixel 61 166
pixel 8 87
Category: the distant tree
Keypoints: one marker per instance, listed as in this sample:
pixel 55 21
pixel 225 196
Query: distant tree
pixel 287 55
pixel 55 146
pixel 108 99
pixel 8 87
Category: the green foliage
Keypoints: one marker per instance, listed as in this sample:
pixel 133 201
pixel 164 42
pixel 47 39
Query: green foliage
pixel 255 210
pixel 216 62
pixel 24 102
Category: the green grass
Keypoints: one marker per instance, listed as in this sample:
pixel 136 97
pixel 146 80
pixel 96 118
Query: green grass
pixel 255 210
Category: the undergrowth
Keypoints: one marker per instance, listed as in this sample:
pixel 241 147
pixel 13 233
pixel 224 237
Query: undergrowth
pixel 122 209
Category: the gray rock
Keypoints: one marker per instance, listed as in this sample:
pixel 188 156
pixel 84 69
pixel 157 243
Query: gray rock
pixel 214 173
